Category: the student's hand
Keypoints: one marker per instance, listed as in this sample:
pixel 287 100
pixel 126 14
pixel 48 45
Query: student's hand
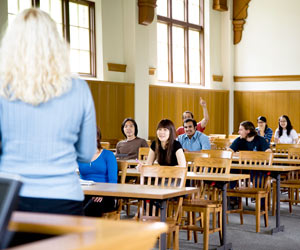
pixel 97 199
pixel 202 102
pixel 186 150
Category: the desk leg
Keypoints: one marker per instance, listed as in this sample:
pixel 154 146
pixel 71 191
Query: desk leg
pixel 163 213
pixel 224 246
pixel 278 228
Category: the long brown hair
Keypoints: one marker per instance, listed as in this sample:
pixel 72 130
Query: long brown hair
pixel 99 138
pixel 168 124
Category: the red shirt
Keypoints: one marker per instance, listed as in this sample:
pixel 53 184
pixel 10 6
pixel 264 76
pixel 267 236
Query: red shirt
pixel 180 130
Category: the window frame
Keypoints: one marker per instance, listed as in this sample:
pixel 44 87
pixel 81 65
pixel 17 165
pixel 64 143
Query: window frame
pixel 66 29
pixel 186 26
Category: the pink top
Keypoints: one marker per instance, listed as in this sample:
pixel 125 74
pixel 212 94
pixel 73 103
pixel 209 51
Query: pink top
pixel 180 130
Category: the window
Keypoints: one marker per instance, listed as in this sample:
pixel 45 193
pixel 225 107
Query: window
pixel 75 21
pixel 180 55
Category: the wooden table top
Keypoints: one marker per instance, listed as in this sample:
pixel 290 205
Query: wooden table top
pixel 194 176
pixel 216 177
pixel 136 191
pixel 78 232
pixel 277 168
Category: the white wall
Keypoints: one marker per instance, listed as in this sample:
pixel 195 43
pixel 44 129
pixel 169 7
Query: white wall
pixel 270 44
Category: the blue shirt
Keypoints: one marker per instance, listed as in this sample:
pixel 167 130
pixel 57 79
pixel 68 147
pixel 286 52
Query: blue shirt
pixel 103 169
pixel 268 134
pixel 43 143
pixel 198 141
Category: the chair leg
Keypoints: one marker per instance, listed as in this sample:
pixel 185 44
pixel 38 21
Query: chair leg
pixel 266 216
pixel 189 221
pixel 220 225
pixel 169 238
pixel 274 199
pixel 206 229
pixel 176 239
pixel 241 210
pixel 291 197
pixel 195 232
pixel 257 212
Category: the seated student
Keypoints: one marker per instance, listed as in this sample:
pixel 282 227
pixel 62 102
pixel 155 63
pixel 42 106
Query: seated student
pixel 249 140
pixel 193 140
pixel 165 149
pixel 102 168
pixel 285 132
pixel 189 115
pixel 263 129
pixel 130 146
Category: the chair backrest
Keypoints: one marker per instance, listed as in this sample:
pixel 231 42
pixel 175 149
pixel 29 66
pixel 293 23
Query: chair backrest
pixel 294 153
pixel 143 153
pixel 190 158
pixel 105 144
pixel 233 136
pixel 163 176
pixel 149 142
pixel 122 168
pixel 221 144
pixel 257 158
pixel 225 154
pixel 284 148
pixel 212 165
pixel 217 136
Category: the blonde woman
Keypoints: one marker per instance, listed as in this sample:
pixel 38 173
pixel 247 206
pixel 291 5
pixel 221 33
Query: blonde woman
pixel 47 119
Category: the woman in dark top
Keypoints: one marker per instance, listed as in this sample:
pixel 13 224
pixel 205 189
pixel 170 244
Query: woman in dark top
pixel 165 149
pixel 263 129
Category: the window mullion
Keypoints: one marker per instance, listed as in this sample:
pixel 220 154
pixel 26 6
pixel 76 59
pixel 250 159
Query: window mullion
pixel 186 45
pixel 66 19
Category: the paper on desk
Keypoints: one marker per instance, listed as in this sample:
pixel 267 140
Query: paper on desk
pixel 86 183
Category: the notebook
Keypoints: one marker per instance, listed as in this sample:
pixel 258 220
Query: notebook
pixel 9 190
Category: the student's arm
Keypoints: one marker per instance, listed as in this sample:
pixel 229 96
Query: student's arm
pixel 205 142
pixel 268 135
pixel 276 136
pixel 151 157
pixel 269 150
pixel 180 158
pixel 294 136
pixel 205 119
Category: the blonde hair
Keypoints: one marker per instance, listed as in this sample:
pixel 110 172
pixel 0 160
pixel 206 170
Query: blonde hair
pixel 34 59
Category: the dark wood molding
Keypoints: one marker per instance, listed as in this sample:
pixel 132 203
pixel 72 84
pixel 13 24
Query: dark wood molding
pixel 240 8
pixel 220 5
pixel 279 78
pixel 146 11
pixel 152 71
pixel 116 67
pixel 217 78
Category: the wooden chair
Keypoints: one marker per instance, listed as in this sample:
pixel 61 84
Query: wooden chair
pixel 166 177
pixel 105 144
pixel 217 136
pixel 284 148
pixel 149 142
pixel 207 201
pixel 222 144
pixel 233 137
pixel 190 158
pixel 257 187
pixel 143 153
pixel 224 154
pixel 292 183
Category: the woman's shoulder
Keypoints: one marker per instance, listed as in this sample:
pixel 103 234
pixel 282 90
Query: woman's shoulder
pixel 108 153
pixel 177 145
pixel 270 130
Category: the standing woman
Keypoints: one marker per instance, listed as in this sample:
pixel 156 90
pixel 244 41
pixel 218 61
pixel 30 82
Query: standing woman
pixel 102 168
pixel 263 129
pixel 165 149
pixel 130 146
pixel 285 132
pixel 47 119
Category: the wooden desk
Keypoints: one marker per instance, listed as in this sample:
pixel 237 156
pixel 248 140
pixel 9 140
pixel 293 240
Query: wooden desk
pixel 161 194
pixel 275 170
pixel 76 232
pixel 222 180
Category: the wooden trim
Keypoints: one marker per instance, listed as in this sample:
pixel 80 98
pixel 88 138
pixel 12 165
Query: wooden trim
pixel 189 87
pixel 116 67
pixel 146 11
pixel 220 5
pixel 240 8
pixel 152 71
pixel 107 82
pixel 281 78
pixel 217 78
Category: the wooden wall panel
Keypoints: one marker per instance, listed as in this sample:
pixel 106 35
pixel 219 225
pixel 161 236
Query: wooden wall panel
pixel 171 102
pixel 248 105
pixel 114 102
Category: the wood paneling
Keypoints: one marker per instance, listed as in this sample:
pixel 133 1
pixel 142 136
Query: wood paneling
pixel 171 102
pixel 114 102
pixel 116 67
pixel 282 78
pixel 217 78
pixel 248 105
pixel 240 8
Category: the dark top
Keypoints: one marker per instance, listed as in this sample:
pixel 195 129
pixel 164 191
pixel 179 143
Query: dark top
pixel 174 161
pixel 258 144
